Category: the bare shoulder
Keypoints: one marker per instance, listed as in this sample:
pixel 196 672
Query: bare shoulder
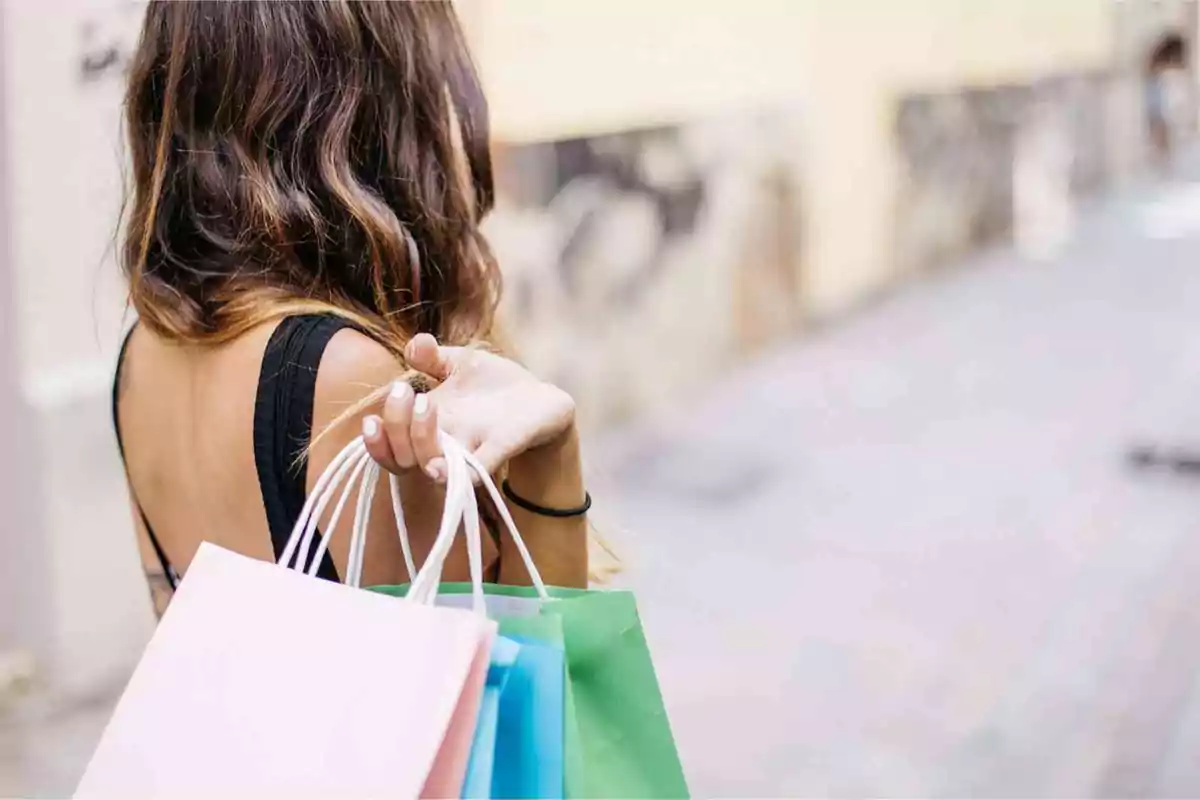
pixel 354 369
pixel 354 365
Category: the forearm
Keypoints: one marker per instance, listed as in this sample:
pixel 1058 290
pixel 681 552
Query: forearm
pixel 552 476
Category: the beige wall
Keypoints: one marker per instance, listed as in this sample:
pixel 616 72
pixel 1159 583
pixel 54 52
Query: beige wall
pixel 557 69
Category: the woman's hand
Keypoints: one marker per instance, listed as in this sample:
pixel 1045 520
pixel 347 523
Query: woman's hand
pixel 503 414
pixel 490 404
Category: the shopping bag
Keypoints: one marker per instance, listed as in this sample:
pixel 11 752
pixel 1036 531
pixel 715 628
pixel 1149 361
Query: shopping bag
pixel 530 734
pixel 481 767
pixel 628 749
pixel 449 770
pixel 263 682
pixel 618 740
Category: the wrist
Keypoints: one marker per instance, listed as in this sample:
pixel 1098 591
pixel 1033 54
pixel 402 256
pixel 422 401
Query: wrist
pixel 550 474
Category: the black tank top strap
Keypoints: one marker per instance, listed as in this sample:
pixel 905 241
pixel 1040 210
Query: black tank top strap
pixel 169 573
pixel 283 420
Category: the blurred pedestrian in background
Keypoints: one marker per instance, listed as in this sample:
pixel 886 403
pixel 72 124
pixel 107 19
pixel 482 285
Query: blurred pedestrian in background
pixel 1166 63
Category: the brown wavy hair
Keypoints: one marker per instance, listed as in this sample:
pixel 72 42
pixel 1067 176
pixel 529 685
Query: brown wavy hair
pixel 294 157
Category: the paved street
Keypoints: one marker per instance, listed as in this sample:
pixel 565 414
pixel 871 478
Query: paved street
pixel 905 556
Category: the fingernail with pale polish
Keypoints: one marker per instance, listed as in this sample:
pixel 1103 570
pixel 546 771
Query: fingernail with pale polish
pixel 434 471
pixel 421 405
pixel 400 390
pixel 371 427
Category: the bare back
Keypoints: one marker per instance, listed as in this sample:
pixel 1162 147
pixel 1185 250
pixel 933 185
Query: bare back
pixel 193 421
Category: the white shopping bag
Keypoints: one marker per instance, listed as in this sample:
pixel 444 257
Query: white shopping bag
pixel 264 682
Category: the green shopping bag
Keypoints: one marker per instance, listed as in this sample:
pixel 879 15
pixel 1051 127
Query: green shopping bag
pixel 619 743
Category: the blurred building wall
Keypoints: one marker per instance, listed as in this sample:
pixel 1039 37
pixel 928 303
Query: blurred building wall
pixel 821 86
pixel 865 58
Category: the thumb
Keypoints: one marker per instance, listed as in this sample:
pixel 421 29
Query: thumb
pixel 423 353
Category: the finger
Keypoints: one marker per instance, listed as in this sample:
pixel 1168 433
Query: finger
pixel 425 354
pixel 397 423
pixel 424 434
pixel 377 443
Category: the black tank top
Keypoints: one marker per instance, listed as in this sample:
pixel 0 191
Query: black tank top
pixel 283 417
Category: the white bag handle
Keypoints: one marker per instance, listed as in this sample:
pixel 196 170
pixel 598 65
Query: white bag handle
pixel 355 460
pixel 366 495
pixel 461 509
pixel 401 528
pixel 472 529
pixel 424 587
pixel 362 516
pixel 486 481
pixel 361 464
pixel 314 505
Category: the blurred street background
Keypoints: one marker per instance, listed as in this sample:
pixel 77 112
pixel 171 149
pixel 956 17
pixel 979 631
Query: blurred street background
pixel 865 306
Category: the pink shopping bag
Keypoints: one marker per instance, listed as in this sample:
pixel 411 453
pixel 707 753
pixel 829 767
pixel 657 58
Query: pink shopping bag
pixel 263 682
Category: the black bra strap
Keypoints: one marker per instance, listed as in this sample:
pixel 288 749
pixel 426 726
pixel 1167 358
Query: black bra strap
pixel 283 419
pixel 168 571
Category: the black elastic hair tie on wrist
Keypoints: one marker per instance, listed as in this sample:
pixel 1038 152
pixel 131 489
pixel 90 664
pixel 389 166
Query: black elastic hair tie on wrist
pixel 534 508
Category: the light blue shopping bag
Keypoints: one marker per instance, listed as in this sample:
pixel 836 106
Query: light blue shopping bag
pixel 481 765
pixel 529 740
